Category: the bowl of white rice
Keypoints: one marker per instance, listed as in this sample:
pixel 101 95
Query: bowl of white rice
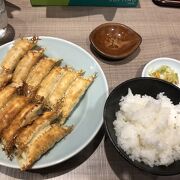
pixel 142 119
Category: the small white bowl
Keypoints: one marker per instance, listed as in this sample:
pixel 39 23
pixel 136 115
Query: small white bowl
pixel 157 63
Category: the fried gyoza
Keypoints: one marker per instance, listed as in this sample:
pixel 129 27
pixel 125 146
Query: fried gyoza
pixel 23 127
pixel 24 117
pixel 39 71
pixel 5 77
pixel 48 83
pixel 73 95
pixel 62 85
pixel 19 49
pixel 24 66
pixel 6 94
pixel 28 132
pixel 41 143
pixel 10 110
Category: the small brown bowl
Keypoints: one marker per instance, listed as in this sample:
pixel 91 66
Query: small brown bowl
pixel 114 40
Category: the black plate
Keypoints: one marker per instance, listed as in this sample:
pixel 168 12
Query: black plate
pixel 148 86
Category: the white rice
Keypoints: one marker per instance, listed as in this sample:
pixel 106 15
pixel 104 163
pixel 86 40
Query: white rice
pixel 148 129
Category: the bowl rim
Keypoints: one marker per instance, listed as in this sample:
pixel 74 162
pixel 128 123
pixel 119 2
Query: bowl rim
pixel 114 57
pixel 121 151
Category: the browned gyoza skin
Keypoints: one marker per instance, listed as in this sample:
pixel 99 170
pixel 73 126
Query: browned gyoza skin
pixel 48 83
pixel 13 56
pixel 24 117
pixel 19 49
pixel 6 94
pixel 24 66
pixel 5 78
pixel 61 86
pixel 73 95
pixel 9 112
pixel 37 74
pixel 28 132
pixel 41 143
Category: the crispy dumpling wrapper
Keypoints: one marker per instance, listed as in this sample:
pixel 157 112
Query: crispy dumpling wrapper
pixel 61 86
pixel 24 117
pixel 28 132
pixel 18 50
pixel 25 65
pixel 6 94
pixel 9 112
pixel 41 143
pixel 72 96
pixel 48 83
pixel 5 78
pixel 37 74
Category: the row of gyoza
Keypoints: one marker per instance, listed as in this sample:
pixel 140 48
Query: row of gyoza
pixel 30 82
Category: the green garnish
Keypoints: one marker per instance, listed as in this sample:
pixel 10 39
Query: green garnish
pixel 165 73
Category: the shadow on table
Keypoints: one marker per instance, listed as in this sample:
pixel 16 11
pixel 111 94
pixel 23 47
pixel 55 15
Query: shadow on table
pixel 10 8
pixel 58 169
pixel 139 70
pixel 116 62
pixel 126 171
pixel 77 11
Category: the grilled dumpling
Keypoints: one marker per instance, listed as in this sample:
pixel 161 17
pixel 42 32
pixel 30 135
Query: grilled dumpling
pixel 62 85
pixel 28 132
pixel 73 95
pixel 6 94
pixel 39 71
pixel 24 117
pixel 12 58
pixel 19 49
pixel 24 66
pixel 48 83
pixel 40 144
pixel 5 78
pixel 12 108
